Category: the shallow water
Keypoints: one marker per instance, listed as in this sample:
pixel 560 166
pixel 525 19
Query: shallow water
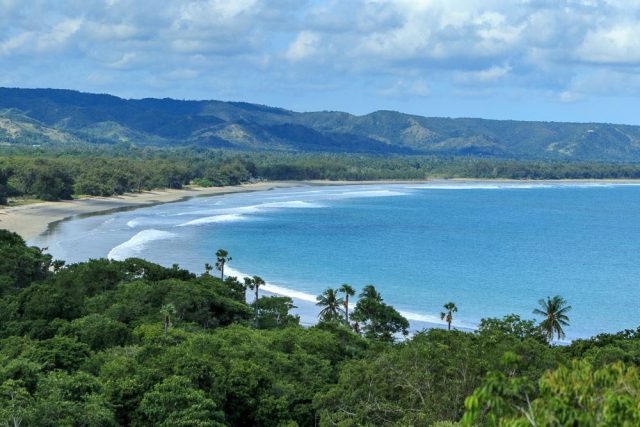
pixel 492 248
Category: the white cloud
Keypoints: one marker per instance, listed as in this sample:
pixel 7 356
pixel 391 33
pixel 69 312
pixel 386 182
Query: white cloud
pixel 484 76
pixel 125 61
pixel 59 35
pixel 15 43
pixel 305 45
pixel 569 48
pixel 407 88
pixel 616 44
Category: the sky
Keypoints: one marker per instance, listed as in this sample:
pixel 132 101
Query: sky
pixel 555 60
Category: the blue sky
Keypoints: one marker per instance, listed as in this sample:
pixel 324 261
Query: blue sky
pixel 561 60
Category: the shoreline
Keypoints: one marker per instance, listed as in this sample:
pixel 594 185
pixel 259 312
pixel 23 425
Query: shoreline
pixel 32 220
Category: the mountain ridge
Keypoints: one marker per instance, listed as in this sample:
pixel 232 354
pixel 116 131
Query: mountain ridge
pixel 67 117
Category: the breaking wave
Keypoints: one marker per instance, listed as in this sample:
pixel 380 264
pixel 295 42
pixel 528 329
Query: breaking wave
pixel 138 243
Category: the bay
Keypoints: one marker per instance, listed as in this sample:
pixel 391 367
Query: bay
pixel 492 248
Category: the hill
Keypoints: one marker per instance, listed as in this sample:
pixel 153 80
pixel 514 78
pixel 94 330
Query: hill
pixel 65 117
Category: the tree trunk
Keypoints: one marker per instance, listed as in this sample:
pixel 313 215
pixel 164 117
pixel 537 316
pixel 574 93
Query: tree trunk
pixel 166 325
pixel 346 308
pixel 255 319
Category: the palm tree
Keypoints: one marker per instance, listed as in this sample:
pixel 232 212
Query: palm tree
pixel 554 310
pixel 332 305
pixel 254 283
pixel 167 311
pixel 222 257
pixel 348 291
pixel 207 268
pixel 369 292
pixel 448 315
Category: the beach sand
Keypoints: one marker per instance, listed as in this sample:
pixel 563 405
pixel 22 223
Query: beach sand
pixel 33 219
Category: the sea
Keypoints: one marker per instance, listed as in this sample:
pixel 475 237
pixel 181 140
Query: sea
pixel 492 248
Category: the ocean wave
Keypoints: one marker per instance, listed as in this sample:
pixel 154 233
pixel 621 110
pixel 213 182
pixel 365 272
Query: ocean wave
pixel 295 204
pixel 238 213
pixel 138 243
pixel 470 186
pixel 133 223
pixel 369 193
pixel 515 185
pixel 289 204
pixel 215 219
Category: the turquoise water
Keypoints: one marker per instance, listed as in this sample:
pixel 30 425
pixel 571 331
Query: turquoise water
pixel 493 249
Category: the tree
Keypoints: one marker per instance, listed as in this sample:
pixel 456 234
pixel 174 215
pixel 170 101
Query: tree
pixel 511 326
pixel 331 304
pixel 274 312
pixel 348 291
pixel 71 399
pixel 176 402
pixel 20 265
pixel 222 257
pixel 254 283
pixel 554 310
pixel 5 174
pixel 167 311
pixel 448 316
pixel 380 321
pixel 416 383
pixel 15 403
pixel 574 395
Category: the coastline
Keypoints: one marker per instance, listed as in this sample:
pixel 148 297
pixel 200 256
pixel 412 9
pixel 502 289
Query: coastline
pixel 31 220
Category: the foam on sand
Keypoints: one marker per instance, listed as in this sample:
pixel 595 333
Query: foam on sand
pixel 138 243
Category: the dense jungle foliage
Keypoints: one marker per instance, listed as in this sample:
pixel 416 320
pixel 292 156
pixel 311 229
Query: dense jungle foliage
pixel 62 174
pixel 107 343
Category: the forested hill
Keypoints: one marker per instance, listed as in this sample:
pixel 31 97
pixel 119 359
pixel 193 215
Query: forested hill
pixel 64 117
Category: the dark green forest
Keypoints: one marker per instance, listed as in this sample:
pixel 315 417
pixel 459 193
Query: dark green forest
pixel 50 174
pixel 107 343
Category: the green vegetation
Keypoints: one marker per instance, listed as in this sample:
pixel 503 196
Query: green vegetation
pixel 348 291
pixel 447 315
pixel 132 343
pixel 63 118
pixel 554 311
pixel 222 257
pixel 61 174
pixel 331 305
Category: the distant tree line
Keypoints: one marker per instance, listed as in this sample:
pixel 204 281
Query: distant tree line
pixel 56 174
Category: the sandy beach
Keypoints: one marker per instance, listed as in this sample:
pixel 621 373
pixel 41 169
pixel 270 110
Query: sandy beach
pixel 33 219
